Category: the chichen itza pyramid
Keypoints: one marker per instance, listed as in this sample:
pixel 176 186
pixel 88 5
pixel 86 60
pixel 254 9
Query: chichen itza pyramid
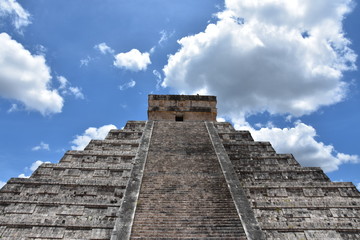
pixel 178 175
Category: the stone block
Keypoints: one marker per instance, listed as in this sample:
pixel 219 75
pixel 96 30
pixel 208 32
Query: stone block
pixel 71 210
pixel 313 192
pixel 72 172
pixel 320 235
pixel 47 233
pixel 77 234
pixel 101 173
pixel 276 192
pixel 15 233
pixel 21 208
pixel 275 235
pixel 349 192
pixel 345 212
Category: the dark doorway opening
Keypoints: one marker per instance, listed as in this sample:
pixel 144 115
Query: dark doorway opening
pixel 179 118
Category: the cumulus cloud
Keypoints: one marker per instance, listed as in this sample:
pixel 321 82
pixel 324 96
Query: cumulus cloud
pixel 133 60
pixel 36 164
pixel 22 175
pixel 104 48
pixel 284 57
pixel 31 169
pixel 220 119
pixel 2 184
pixel 66 89
pixel 81 141
pixel 127 85
pixel 11 8
pixel 41 146
pixel 300 140
pixel 358 186
pixel 26 78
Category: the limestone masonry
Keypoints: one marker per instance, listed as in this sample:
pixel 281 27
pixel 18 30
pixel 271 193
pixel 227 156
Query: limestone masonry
pixel 179 175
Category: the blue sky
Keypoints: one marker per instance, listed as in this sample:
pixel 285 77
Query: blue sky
pixel 285 70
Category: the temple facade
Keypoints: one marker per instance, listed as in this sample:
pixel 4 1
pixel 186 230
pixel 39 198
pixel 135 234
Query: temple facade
pixel 178 175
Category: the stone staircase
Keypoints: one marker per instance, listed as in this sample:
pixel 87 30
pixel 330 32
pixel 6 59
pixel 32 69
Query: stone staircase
pixel 184 194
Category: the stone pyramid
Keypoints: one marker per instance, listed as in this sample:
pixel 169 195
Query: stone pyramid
pixel 179 175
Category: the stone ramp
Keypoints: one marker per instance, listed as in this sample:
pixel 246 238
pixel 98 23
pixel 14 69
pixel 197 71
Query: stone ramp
pixel 184 193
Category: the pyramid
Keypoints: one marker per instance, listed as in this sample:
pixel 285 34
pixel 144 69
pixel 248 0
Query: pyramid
pixel 178 175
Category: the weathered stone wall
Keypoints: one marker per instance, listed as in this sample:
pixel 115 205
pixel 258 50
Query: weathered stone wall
pixel 290 201
pixel 77 198
pixel 185 107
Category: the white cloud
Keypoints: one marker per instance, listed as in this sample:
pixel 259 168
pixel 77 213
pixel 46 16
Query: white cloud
pixel 2 184
pixel 158 76
pixel 127 85
pixel 14 107
pixel 76 92
pixel 258 57
pixel 220 119
pixel 40 49
pixel 284 57
pixel 164 36
pixel 63 82
pixel 20 17
pixel 36 164
pixel 104 48
pixel 85 61
pixel 41 146
pixel 81 141
pixel 26 78
pixel 358 186
pixel 133 60
pixel 65 88
pixel 32 168
pixel 300 140
pixel 152 50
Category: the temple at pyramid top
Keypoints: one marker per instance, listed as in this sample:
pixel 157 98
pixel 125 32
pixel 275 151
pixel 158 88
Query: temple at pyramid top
pixel 182 108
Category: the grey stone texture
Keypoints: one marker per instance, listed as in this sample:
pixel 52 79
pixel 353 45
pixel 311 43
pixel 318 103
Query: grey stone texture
pixel 78 198
pixel 163 179
pixel 184 194
pixel 184 107
pixel 290 201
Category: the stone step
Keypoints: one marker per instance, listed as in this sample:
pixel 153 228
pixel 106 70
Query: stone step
pixel 67 222
pixel 162 237
pixel 91 203
pixel 71 182
pixel 275 184
pixel 183 192
pixel 87 166
pixel 314 203
pixel 324 225
pixel 54 233
pixel 94 154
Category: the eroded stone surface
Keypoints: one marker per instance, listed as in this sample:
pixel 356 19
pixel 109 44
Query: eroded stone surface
pixel 290 201
pixel 78 198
